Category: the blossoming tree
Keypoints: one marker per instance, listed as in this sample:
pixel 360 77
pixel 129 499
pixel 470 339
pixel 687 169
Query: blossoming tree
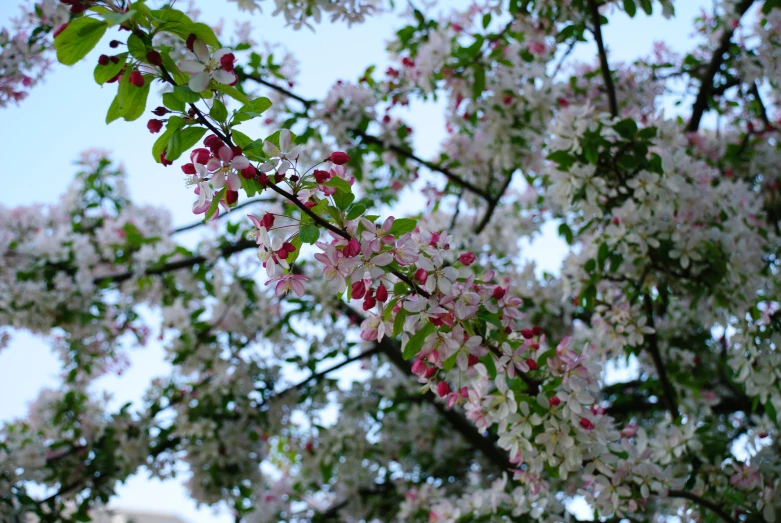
pixel 485 397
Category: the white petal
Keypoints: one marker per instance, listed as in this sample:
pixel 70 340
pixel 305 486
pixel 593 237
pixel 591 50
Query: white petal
pixel 200 50
pixel 284 139
pixel 240 162
pixel 199 82
pixel 190 66
pixel 223 77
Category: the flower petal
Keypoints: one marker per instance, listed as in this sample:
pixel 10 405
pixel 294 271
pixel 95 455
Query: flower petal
pixel 199 82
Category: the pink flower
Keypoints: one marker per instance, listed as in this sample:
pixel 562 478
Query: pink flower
pixel 287 283
pixel 337 266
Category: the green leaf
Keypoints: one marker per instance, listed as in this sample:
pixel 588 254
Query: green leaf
pixel 182 140
pixel 450 362
pixel 113 110
pixel 603 253
pixel 402 226
pixel 136 47
pixel 627 128
pixel 630 8
pixel 252 110
pixel 186 95
pixel 218 196
pixel 104 73
pixel 218 111
pixel 398 322
pixel 171 101
pixel 590 265
pixel 414 344
pixel 647 7
pixel 356 211
pixel 232 92
pixel 309 233
pixel 340 184
pixel 240 139
pixel 566 232
pixel 178 23
pixel 78 39
pixel 161 143
pixel 479 80
pixel 113 19
pixel 132 99
pixel 343 199
pixel 486 20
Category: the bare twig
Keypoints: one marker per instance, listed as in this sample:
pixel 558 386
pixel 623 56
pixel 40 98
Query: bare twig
pixel 597 30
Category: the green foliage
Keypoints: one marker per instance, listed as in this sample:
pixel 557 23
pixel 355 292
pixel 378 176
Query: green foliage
pixel 78 39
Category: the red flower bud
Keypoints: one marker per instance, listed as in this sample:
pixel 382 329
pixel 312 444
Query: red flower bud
pixel 467 259
pixel 471 360
pixel 267 221
pixel 188 168
pixel 231 197
pixel 382 293
pixel 499 293
pixel 154 125
pixel 358 290
pixel 136 78
pixel 200 156
pixel 555 401
pixel 263 179
pixel 288 248
pixel 339 158
pixel 227 62
pixel 114 44
pixel 104 59
pixel 278 177
pixel 369 302
pixel 160 111
pixel 430 372
pixel 537 330
pixel 443 389
pixel 352 249
pixel 586 424
pixel 527 333
pixel 531 363
pixel 322 176
pixel 190 41
pixel 164 161
pixel 154 58
pixel 249 173
pixel 419 368
pixel 421 275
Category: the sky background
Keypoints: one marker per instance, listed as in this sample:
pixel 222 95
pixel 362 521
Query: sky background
pixel 65 115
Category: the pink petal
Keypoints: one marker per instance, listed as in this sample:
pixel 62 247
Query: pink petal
pixel 225 153
pixel 234 182
pixel 240 162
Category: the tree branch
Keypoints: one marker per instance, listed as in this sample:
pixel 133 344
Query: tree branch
pixel 609 86
pixel 706 85
pixel 653 349
pixel 703 503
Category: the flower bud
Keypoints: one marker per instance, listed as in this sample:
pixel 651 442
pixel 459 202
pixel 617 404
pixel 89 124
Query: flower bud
pixel 160 111
pixel 352 249
pixel 555 401
pixel 114 44
pixel 322 176
pixel 467 259
pixel 154 58
pixel 188 168
pixel 200 156
pixel 154 125
pixel 537 330
pixel 231 197
pixel 419 368
pixel 527 333
pixel 499 293
pixel 369 302
pixel 104 59
pixel 421 275
pixel 358 290
pixel 586 424
pixel 443 389
pixel 339 158
pixel 227 61
pixel 531 363
pixel 382 293
pixel 190 41
pixel 136 78
pixel 249 173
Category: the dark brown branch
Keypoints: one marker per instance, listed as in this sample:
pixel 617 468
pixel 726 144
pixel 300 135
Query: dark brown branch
pixel 703 503
pixel 489 212
pixel 706 85
pixel 606 76
pixel 661 370
pixel 762 109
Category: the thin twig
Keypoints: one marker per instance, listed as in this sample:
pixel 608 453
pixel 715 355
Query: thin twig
pixel 609 86
pixel 703 503
pixel 200 223
pixel 653 349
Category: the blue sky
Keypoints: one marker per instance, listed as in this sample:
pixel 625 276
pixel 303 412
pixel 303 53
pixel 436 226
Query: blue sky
pixel 65 115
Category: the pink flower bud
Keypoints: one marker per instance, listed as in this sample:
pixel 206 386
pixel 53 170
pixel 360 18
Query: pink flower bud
pixel 430 372
pixel 537 330
pixel 464 392
pixel 249 173
pixel 531 363
pixel 467 259
pixel 443 389
pixel 200 156
pixel 188 168
pixel 555 401
pixel 369 302
pixel 339 158
pixel 154 125
pixel 586 424
pixel 527 333
pixel 352 249
pixel 629 431
pixel 419 368
pixel 267 221
pixel 421 275
pixel 499 293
